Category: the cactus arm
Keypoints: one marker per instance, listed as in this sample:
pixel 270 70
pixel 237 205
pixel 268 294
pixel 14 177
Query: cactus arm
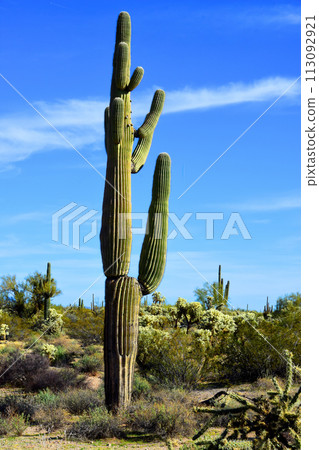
pixel 140 153
pixel 152 117
pixel 153 254
pixel 136 78
pixel 121 64
pixel 146 130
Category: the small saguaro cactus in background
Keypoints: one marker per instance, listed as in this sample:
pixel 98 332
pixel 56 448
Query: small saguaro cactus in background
pixel 220 296
pixel 123 293
pixel 92 303
pixel 81 303
pixel 268 310
pixel 47 292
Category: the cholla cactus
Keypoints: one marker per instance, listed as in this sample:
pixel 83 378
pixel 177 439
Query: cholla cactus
pixel 274 420
pixel 49 350
pixel 158 298
pixel 217 322
pixel 190 312
pixel 54 323
pixel 4 331
pixel 123 293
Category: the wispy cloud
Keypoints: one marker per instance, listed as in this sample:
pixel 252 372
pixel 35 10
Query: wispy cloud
pixel 269 205
pixel 34 216
pixel 80 121
pixel 234 93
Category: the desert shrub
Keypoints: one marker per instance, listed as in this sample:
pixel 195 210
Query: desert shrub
pixel 89 364
pixel 249 354
pixel 93 349
pixel 96 424
pixel 7 349
pixel 50 419
pixel 263 384
pixel 86 326
pixel 171 395
pixel 78 401
pixel 55 379
pixel 3 426
pixel 62 356
pixel 20 369
pixel 17 404
pixel 13 425
pixel 47 398
pixel 141 387
pixel 71 345
pixel 151 343
pixel 164 418
pixel 66 350
pixel 178 365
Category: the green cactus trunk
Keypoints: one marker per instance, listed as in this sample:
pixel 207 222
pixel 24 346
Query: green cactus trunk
pixel 122 293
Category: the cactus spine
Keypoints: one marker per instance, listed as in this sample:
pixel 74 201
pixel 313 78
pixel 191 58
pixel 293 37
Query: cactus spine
pixel 123 293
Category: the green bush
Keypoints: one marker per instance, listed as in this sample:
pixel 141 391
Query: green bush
pixel 93 350
pixel 13 425
pixel 89 364
pixel 62 356
pixel 177 365
pixel 164 418
pixel 55 379
pixel 96 424
pixel 19 405
pixel 78 401
pixel 47 398
pixel 21 369
pixel 85 325
pixel 141 387
pixel 50 419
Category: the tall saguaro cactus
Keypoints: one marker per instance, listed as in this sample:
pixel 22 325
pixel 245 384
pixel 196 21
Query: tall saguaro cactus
pixel 123 293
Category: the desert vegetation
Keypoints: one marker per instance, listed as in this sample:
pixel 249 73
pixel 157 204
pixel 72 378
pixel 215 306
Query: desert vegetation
pixel 203 370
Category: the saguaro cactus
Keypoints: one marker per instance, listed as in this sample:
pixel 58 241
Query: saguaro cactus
pixel 123 293
pixel 223 295
pixel 47 292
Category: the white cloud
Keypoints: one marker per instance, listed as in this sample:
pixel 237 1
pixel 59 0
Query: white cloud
pixel 234 93
pixel 81 121
pixel 35 216
pixel 267 16
pixel 269 205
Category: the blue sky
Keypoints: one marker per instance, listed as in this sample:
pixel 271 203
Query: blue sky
pixel 221 66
